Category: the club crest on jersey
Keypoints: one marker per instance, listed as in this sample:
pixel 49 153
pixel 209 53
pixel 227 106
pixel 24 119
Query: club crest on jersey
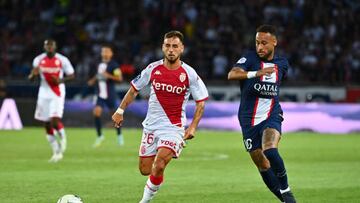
pixel 182 77
pixel 57 62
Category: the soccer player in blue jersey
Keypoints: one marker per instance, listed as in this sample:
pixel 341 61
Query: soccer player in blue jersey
pixel 108 72
pixel 260 114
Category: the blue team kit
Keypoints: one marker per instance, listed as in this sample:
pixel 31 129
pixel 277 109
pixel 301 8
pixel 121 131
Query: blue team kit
pixel 260 106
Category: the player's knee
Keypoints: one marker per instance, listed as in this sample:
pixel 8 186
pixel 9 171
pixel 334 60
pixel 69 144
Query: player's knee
pixel 54 122
pixel 269 145
pixel 97 111
pixel 145 171
pixel 263 165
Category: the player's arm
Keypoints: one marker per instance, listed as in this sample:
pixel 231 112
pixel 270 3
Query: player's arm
pixel 118 116
pixel 199 111
pixel 92 81
pixel 237 73
pixel 57 80
pixel 34 73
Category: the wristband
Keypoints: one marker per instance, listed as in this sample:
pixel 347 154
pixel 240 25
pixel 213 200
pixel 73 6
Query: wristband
pixel 120 111
pixel 251 74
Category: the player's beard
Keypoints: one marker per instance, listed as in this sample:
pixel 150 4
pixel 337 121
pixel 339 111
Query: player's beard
pixel 172 61
pixel 266 56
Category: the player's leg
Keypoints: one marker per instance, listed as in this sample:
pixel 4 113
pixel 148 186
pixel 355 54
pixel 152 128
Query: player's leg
pixel 145 165
pixel 270 140
pixel 97 111
pixel 42 113
pixel 111 104
pixel 59 127
pixel 268 176
pixel 163 157
pixel 253 141
pixel 56 112
pixel 57 153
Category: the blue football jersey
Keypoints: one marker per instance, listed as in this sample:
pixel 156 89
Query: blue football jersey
pixel 260 95
pixel 106 87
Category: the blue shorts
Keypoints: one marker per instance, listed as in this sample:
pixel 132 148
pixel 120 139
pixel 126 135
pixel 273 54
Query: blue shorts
pixel 110 103
pixel 252 136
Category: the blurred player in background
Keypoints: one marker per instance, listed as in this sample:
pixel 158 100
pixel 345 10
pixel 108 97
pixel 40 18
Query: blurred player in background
pixel 171 82
pixel 260 114
pixel 108 72
pixel 51 67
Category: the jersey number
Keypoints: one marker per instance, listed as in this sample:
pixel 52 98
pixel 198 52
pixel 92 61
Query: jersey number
pixel 248 143
pixel 149 138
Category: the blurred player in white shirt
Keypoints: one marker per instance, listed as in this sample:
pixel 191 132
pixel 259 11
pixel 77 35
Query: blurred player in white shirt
pixel 171 82
pixel 51 67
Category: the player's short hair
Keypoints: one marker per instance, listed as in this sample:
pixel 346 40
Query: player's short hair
pixel 174 33
pixel 49 41
pixel 267 29
pixel 109 46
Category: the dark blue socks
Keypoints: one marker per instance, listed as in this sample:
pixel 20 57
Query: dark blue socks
pixel 118 131
pixel 271 182
pixel 277 166
pixel 98 125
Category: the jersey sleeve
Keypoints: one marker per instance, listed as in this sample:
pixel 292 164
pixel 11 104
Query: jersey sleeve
pixel 142 79
pixel 197 88
pixel 245 62
pixel 36 62
pixel 112 67
pixel 67 67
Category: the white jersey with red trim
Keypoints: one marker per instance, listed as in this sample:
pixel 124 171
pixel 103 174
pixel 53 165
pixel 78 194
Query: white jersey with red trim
pixel 49 68
pixel 169 93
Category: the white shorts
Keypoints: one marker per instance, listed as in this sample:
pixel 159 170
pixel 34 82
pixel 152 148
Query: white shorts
pixel 48 108
pixel 151 141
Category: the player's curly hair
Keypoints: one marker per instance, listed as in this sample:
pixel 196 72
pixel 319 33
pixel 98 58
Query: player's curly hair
pixel 175 33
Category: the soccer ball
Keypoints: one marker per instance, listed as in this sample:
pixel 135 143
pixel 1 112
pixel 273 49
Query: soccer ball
pixel 70 199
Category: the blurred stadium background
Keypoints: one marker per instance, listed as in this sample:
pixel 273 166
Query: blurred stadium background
pixel 321 94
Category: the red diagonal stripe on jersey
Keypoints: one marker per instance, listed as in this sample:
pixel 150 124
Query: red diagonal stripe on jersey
pixel 163 85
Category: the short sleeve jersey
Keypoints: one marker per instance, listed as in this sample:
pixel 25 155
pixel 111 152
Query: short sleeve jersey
pixel 169 93
pixel 52 67
pixel 260 95
pixel 106 87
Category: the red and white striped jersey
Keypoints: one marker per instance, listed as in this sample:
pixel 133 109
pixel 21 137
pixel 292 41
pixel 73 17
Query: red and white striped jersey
pixel 52 67
pixel 169 93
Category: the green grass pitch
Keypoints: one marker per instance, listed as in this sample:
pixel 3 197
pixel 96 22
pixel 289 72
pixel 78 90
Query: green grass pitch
pixel 213 168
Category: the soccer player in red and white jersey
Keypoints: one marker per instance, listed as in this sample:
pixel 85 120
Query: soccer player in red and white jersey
pixel 171 82
pixel 51 67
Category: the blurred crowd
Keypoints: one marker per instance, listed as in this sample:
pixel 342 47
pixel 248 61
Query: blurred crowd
pixel 320 38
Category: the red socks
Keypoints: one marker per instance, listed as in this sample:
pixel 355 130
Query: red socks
pixel 156 180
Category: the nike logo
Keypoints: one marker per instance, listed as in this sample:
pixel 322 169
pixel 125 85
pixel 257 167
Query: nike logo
pixel 268 78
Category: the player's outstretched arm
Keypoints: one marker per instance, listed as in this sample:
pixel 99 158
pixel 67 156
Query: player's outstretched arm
pixel 199 111
pixel 118 116
pixel 238 73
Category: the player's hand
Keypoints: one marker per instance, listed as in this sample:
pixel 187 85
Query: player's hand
pixel 33 73
pixel 265 71
pixel 91 82
pixel 55 80
pixel 117 119
pixel 189 133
